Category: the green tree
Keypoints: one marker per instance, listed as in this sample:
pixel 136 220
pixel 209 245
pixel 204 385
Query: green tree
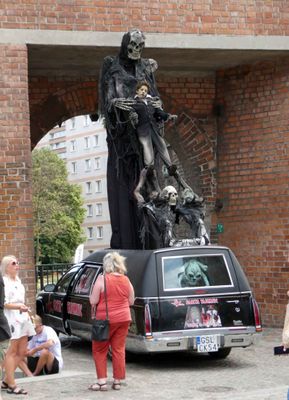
pixel 57 209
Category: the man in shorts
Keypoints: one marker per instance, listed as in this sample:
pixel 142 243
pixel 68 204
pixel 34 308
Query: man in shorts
pixel 44 351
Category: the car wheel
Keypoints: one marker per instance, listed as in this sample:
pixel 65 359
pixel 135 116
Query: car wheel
pixel 221 353
pixel 130 357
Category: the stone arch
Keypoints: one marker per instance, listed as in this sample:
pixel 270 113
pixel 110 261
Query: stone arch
pixel 59 103
pixel 194 140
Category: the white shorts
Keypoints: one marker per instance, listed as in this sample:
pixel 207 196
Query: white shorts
pixel 22 328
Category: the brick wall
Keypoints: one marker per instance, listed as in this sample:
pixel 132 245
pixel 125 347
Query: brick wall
pixel 242 17
pixel 253 149
pixel 16 231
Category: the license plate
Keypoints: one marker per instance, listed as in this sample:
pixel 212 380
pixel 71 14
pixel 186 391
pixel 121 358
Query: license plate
pixel 207 343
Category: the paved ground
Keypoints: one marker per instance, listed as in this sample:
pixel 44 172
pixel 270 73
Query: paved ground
pixel 247 374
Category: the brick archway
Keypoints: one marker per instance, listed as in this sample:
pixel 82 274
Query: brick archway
pixel 58 101
pixel 193 138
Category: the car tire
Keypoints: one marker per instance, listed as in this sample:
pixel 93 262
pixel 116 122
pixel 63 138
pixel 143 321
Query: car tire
pixel 221 353
pixel 130 357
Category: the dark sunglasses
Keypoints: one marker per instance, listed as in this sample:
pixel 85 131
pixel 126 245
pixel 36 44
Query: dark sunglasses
pixel 15 263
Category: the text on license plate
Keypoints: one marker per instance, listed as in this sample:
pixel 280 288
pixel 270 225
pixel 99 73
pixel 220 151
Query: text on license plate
pixel 207 343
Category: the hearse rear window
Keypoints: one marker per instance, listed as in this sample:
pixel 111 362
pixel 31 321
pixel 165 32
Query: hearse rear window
pixel 195 271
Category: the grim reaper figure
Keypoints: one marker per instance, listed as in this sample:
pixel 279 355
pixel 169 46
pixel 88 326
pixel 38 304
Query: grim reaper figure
pixel 119 77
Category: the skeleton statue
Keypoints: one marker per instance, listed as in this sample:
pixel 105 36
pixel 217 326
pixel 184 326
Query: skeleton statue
pixel 136 203
pixel 191 210
pixel 157 216
pixel 119 77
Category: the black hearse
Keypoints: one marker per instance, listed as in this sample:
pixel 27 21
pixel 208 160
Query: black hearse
pixel 187 299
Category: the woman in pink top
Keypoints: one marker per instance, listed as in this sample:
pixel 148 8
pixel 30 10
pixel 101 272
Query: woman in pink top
pixel 120 296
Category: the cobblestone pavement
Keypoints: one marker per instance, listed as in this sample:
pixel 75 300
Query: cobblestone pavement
pixel 247 374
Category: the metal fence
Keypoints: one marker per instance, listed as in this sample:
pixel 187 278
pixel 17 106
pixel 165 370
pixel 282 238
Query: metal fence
pixel 49 273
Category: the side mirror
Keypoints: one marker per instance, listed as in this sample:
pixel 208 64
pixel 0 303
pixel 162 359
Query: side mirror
pixel 49 287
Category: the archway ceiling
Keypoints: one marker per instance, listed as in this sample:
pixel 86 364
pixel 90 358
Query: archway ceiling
pixel 52 60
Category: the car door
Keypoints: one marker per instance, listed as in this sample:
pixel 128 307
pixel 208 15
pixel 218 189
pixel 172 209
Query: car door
pixel 55 308
pixel 78 305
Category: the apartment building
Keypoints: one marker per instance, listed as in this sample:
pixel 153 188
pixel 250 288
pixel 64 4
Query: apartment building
pixel 82 144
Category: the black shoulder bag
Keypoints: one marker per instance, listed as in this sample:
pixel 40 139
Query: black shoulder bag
pixel 100 327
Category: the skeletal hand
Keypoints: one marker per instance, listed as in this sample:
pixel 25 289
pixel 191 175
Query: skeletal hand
pixel 156 102
pixel 172 117
pixel 123 104
pixel 133 117
pixel 139 198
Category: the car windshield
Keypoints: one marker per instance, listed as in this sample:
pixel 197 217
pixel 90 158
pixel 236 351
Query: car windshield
pixel 195 271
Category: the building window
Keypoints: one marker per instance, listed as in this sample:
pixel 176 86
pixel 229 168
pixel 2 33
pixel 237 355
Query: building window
pixel 88 187
pixel 97 163
pixel 86 120
pixel 73 145
pixel 99 232
pixel 89 210
pixel 95 141
pixel 73 167
pixel 57 145
pixel 98 209
pixel 97 186
pixel 90 232
pixel 86 142
pixel 87 165
pixel 73 123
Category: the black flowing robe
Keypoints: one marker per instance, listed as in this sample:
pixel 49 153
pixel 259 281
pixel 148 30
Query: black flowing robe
pixel 119 78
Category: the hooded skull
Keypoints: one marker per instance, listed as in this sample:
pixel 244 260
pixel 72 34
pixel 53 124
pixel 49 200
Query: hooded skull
pixel 170 194
pixel 136 44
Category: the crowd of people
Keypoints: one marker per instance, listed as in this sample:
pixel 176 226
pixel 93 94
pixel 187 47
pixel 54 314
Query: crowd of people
pixel 35 348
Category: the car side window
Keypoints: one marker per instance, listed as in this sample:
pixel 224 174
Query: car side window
pixel 85 281
pixel 64 282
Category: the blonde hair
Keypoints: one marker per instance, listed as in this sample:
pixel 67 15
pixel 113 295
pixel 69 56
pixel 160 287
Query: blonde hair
pixel 6 260
pixel 114 262
pixel 37 320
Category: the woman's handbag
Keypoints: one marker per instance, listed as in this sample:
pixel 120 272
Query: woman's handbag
pixel 100 327
pixel 100 330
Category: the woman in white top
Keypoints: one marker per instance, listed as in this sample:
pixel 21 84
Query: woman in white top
pixel 19 321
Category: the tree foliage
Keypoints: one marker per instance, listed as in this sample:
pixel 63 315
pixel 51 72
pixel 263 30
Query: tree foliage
pixel 57 209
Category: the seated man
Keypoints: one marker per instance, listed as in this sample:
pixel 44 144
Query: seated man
pixel 44 351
